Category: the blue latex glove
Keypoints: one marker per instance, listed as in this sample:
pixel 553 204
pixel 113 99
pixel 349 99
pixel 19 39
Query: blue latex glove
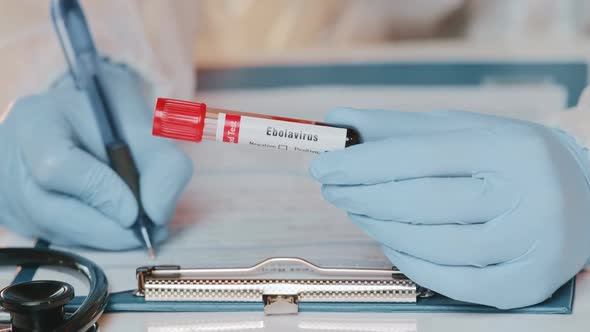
pixel 54 180
pixel 478 208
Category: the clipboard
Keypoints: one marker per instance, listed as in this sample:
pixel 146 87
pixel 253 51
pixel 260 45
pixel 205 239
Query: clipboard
pixel 405 296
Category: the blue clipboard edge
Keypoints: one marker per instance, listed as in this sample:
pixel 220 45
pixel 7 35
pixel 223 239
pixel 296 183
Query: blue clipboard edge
pixel 560 303
pixel 572 74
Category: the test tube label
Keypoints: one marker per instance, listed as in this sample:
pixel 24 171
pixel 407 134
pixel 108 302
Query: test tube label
pixel 278 134
pixel 231 128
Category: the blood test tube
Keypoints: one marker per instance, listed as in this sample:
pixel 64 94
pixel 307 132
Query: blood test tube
pixel 192 121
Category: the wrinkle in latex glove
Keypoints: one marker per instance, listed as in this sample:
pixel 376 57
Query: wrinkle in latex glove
pixel 54 180
pixel 478 208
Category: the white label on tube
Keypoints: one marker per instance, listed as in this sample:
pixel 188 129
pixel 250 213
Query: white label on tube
pixel 280 135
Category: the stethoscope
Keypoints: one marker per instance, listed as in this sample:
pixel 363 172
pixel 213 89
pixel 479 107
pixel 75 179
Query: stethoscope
pixel 38 306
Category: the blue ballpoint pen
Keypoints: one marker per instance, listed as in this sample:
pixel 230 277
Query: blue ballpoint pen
pixel 82 57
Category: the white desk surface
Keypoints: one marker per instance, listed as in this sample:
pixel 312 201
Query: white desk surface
pixel 255 321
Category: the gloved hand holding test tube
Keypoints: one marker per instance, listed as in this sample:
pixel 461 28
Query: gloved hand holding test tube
pixel 192 121
pixel 454 198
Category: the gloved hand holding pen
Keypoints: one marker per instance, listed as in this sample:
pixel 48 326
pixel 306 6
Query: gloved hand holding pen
pixel 55 180
pixel 471 206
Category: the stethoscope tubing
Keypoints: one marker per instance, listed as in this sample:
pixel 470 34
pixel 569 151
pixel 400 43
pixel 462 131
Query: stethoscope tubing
pixel 95 303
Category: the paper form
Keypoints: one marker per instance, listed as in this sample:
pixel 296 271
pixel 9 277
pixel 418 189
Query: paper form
pixel 237 220
pixel 246 204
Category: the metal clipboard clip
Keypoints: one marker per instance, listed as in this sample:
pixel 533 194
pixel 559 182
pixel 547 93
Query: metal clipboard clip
pixel 281 284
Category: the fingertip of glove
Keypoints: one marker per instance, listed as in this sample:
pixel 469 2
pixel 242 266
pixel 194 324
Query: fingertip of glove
pixel 333 194
pixel 314 170
pixel 328 168
pixel 111 196
pixel 318 167
pixel 128 211
pixel 360 221
pixel 325 190
pixel 166 182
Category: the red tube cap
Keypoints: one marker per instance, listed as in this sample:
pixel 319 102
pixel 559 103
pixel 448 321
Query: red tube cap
pixel 179 119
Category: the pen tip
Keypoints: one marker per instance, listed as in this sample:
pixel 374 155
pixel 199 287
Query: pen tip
pixel 152 253
pixel 148 242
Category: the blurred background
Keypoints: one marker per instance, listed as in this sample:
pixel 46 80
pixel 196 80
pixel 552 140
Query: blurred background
pixel 234 30
pixel 162 38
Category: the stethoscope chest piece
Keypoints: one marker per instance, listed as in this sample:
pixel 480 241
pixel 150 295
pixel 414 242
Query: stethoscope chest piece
pixel 36 306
